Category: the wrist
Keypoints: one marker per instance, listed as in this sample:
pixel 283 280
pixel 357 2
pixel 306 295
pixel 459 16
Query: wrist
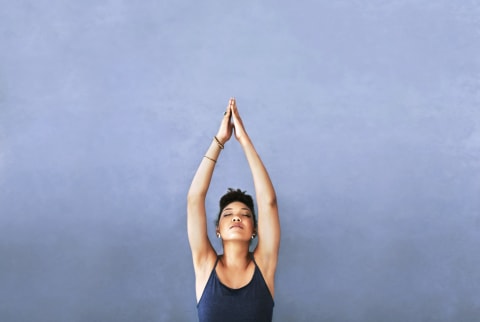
pixel 219 142
pixel 244 140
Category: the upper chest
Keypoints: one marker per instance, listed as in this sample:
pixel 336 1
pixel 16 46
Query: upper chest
pixel 233 277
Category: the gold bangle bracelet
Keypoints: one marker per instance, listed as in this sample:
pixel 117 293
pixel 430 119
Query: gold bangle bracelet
pixel 220 145
pixel 215 161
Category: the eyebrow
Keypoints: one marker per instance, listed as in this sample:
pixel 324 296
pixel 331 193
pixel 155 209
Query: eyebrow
pixel 243 208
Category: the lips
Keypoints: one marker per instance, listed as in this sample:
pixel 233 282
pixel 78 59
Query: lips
pixel 236 226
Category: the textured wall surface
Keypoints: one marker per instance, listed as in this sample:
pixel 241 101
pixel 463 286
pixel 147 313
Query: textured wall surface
pixel 366 113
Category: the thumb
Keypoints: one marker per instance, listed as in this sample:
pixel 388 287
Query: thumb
pixel 228 112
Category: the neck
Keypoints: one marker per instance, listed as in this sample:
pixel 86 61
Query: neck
pixel 236 254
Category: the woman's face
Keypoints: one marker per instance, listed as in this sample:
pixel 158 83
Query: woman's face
pixel 236 222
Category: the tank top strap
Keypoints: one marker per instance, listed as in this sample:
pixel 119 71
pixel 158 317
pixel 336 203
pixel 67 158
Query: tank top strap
pixel 253 259
pixel 216 262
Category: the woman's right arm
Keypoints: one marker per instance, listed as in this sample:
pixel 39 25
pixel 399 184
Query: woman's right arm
pixel 202 250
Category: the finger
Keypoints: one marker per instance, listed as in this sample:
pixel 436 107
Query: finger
pixel 235 108
pixel 229 109
pixel 235 111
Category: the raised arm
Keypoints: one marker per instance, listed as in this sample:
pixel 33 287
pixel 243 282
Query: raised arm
pixel 268 220
pixel 202 250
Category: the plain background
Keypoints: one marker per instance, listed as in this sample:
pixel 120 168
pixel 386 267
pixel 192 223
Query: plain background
pixel 366 114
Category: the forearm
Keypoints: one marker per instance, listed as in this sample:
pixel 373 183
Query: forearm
pixel 264 190
pixel 203 176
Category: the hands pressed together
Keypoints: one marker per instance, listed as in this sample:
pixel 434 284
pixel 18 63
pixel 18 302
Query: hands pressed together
pixel 232 122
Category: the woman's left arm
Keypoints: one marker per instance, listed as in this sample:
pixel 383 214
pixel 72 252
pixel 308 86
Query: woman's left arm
pixel 268 220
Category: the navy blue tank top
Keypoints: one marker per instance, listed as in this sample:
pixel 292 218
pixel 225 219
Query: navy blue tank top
pixel 252 302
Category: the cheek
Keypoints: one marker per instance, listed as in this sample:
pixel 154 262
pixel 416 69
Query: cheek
pixel 251 223
pixel 222 224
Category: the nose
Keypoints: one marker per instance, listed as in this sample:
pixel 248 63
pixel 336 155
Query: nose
pixel 236 218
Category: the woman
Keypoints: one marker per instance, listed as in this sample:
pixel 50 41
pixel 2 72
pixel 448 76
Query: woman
pixel 238 285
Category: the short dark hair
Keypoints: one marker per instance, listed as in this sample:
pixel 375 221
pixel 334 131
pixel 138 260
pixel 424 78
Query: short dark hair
pixel 233 195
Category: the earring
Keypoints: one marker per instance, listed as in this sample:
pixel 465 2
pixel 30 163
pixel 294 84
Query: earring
pixel 218 235
pixel 253 236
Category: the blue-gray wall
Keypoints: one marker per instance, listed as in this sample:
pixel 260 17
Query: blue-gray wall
pixel 366 113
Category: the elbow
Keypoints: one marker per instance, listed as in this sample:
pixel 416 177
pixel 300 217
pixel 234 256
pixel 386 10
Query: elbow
pixel 194 197
pixel 272 202
pixel 269 202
